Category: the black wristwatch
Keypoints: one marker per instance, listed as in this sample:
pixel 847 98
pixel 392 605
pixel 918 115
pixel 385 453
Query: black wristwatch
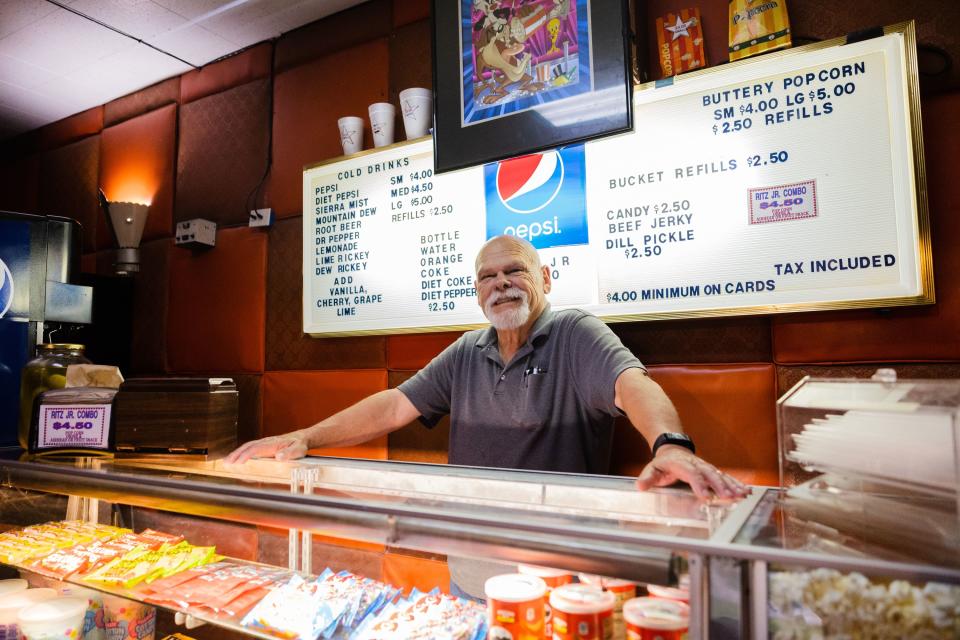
pixel 679 439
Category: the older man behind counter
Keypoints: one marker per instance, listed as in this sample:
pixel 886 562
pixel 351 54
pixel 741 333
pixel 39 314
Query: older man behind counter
pixel 537 390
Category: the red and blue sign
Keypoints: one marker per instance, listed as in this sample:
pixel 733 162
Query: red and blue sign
pixel 540 197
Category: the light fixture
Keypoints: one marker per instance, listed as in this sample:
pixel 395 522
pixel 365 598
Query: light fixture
pixel 126 221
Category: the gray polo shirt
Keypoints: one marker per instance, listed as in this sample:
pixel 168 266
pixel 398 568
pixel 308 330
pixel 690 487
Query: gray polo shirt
pixel 550 409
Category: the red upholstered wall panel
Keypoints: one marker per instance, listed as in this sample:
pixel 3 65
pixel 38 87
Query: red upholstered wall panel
pixel 20 184
pixel 414 442
pixel 287 346
pixel 339 32
pixel 136 165
pixel 68 187
pixel 407 11
pixel 140 102
pixel 252 64
pixel 297 399
pixel 216 317
pixel 900 334
pixel 407 572
pixel 76 127
pixel 308 101
pixel 410 53
pixel 414 351
pixel 729 411
pixel 151 307
pixel 222 154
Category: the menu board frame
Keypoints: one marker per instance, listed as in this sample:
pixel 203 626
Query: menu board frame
pixel 913 178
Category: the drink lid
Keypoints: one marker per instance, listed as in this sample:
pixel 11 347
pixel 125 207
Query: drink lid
pixel 657 613
pixel 13 585
pixel 53 610
pixel 514 587
pixel 581 598
pixel 670 593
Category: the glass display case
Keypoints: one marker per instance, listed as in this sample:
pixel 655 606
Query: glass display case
pixel 402 523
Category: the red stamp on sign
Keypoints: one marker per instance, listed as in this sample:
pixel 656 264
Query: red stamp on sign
pixel 783 202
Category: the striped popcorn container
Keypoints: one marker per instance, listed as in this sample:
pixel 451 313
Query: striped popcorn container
pixel 757 26
pixel 680 42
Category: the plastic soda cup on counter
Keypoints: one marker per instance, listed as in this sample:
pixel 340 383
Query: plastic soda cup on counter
pixel 125 619
pixel 622 591
pixel 553 578
pixel 515 607
pixel 10 605
pixel 656 619
pixel 54 619
pixel 582 612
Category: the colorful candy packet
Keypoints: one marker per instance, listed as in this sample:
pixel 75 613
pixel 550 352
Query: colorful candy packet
pixel 757 26
pixel 680 42
pixel 299 609
pixel 426 616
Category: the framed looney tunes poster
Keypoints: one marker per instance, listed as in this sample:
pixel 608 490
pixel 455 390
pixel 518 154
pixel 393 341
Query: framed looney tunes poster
pixel 517 76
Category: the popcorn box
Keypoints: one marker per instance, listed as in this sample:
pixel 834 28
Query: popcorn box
pixel 757 26
pixel 680 42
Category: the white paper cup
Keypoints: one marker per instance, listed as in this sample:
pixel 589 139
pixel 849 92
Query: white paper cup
pixel 351 134
pixel 11 603
pixel 12 586
pixel 416 105
pixel 382 115
pixel 55 619
pixel 128 619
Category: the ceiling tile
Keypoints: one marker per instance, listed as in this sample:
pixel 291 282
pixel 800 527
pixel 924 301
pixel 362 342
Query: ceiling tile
pixel 32 101
pixel 139 18
pixel 17 14
pixel 21 73
pixel 62 42
pixel 194 44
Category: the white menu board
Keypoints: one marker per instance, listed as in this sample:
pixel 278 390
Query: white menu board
pixel 785 183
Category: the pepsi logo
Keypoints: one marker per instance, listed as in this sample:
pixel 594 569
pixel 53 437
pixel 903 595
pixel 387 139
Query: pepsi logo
pixel 529 183
pixel 6 289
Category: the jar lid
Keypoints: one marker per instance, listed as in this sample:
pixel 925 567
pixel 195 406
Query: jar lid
pixel 657 614
pixel 53 610
pixel 581 598
pixel 668 593
pixel 68 346
pixel 542 572
pixel 612 584
pixel 514 587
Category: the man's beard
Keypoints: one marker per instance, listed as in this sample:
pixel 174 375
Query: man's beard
pixel 510 317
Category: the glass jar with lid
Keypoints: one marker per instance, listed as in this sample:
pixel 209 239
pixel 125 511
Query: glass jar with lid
pixel 48 370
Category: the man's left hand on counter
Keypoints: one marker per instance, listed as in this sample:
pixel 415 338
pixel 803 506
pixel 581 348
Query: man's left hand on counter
pixel 673 463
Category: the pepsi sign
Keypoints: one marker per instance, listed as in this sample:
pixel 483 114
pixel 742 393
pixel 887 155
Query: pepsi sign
pixel 540 197
pixel 6 289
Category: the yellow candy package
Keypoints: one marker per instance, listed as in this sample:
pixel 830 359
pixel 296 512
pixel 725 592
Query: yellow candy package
pixel 757 26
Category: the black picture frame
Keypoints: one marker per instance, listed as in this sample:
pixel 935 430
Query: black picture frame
pixel 562 96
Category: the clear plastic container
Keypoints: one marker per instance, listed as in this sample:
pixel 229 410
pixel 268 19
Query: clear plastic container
pixel 48 370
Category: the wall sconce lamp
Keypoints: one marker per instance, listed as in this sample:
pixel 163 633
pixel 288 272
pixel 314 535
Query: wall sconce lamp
pixel 126 221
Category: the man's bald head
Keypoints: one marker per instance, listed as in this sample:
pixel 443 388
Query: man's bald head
pixel 508 243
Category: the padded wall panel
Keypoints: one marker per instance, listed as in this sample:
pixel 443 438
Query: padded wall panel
pixel 787 377
pixel 363 559
pixel 728 410
pixel 76 127
pixel 308 101
pixel 342 30
pixel 415 350
pixel 216 317
pixel 136 165
pixel 287 346
pixel 411 54
pixel 99 262
pixel 414 442
pixel 244 67
pixel 222 154
pixel 745 339
pixel 68 187
pixel 250 411
pixel 410 572
pixel 148 353
pixel 140 102
pixel 407 11
pixel 904 333
pixel 297 399
pixel 20 184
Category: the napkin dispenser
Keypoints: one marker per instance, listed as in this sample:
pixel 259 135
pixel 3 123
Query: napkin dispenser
pixel 185 416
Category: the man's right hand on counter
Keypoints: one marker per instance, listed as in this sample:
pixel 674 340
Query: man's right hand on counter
pixel 289 446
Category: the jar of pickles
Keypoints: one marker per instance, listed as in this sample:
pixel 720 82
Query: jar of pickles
pixel 48 370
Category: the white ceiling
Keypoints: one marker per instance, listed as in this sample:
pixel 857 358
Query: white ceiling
pixel 55 63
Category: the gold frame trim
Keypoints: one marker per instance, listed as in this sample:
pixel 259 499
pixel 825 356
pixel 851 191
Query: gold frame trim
pixel 921 208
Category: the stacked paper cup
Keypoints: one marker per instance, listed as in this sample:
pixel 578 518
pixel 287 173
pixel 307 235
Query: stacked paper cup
pixel 351 134
pixel 11 604
pixel 416 105
pixel 381 123
pixel 53 619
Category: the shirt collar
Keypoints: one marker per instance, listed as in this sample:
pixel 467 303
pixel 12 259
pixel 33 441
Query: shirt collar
pixel 541 327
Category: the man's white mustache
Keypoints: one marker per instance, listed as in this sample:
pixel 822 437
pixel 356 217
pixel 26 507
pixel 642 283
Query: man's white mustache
pixel 507 295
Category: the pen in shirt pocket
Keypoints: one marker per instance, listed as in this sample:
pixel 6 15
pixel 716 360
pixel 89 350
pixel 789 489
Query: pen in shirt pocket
pixel 532 371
